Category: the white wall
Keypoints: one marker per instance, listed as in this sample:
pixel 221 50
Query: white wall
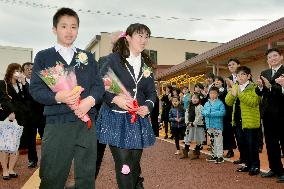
pixel 13 55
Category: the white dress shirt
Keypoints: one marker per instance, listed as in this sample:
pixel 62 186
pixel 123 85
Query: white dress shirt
pixel 135 62
pixel 243 86
pixel 67 53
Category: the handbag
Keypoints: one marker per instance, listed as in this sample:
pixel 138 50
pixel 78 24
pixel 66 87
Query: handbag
pixel 6 92
pixel 10 136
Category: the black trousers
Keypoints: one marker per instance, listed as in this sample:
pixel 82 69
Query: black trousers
pixel 251 155
pixel 274 136
pixel 178 133
pixel 130 158
pixel 32 153
pixel 240 137
pixel 63 142
pixel 100 155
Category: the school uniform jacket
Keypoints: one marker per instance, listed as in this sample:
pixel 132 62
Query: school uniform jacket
pixel 87 76
pixel 273 99
pixel 142 89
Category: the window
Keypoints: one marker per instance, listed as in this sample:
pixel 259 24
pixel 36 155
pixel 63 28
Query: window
pixel 152 54
pixel 189 55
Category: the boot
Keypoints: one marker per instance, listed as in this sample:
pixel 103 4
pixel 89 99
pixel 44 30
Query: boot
pixel 139 184
pixel 229 154
pixel 184 154
pixel 195 154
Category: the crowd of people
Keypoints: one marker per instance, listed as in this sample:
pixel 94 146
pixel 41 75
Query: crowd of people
pixel 233 112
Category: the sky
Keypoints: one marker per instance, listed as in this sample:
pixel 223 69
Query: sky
pixel 28 23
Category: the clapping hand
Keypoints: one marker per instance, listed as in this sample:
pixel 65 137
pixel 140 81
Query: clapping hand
pixel 229 83
pixel 266 82
pixel 234 90
pixel 259 82
pixel 280 80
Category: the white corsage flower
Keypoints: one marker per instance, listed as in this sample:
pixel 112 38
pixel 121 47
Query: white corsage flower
pixel 147 71
pixel 81 58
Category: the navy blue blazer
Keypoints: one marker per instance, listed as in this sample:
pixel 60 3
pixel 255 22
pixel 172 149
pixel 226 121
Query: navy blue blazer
pixel 87 76
pixel 143 89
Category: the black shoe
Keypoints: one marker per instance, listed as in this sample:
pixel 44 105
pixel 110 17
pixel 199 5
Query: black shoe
pixel 229 154
pixel 6 177
pixel 32 164
pixel 70 187
pixel 280 179
pixel 254 171
pixel 243 169
pixel 14 175
pixel 239 161
pixel 172 137
pixel 139 184
pixel 268 174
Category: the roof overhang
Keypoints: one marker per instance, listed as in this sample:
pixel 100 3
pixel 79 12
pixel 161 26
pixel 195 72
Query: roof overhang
pixel 248 47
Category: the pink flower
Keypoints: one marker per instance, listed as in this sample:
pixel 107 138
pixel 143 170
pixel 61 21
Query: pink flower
pixel 125 169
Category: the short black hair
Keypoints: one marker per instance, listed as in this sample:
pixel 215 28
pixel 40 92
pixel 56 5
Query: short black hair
pixel 214 89
pixel 244 69
pixel 176 98
pixel 199 85
pixel 64 12
pixel 210 75
pixel 26 64
pixel 272 50
pixel 220 79
pixel 233 60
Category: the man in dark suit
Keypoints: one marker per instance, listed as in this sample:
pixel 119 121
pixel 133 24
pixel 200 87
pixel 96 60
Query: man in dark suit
pixel 272 111
pixel 36 120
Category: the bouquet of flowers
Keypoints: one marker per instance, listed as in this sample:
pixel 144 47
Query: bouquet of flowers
pixel 58 78
pixel 113 85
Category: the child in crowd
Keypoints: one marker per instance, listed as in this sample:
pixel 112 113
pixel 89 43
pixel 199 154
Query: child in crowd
pixel 214 111
pixel 176 117
pixel 246 114
pixel 195 127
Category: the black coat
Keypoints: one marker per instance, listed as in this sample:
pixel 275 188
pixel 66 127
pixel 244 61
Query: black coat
pixel 272 100
pixel 18 101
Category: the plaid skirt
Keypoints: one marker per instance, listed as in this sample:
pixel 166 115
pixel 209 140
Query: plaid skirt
pixel 115 129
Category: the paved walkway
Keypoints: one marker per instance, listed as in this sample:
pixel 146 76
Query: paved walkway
pixel 161 169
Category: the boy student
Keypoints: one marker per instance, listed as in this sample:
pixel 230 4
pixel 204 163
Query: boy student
pixel 272 111
pixel 66 137
pixel 246 116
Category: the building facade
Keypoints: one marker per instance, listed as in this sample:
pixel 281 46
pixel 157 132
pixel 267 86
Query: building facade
pixel 13 55
pixel 164 52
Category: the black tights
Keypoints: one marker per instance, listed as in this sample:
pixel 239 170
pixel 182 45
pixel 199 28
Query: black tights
pixel 127 158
